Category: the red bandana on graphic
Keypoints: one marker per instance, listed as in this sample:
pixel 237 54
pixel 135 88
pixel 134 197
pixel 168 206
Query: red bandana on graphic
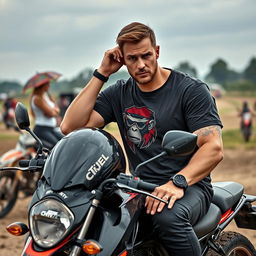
pixel 140 127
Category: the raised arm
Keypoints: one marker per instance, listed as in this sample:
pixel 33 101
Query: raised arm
pixel 80 112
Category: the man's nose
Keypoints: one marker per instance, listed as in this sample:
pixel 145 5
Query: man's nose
pixel 140 63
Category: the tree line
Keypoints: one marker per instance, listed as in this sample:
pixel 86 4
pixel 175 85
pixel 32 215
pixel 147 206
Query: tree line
pixel 219 73
pixel 222 74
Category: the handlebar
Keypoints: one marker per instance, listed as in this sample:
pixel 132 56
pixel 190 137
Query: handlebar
pixel 137 185
pixel 32 165
pixel 136 182
pixel 23 169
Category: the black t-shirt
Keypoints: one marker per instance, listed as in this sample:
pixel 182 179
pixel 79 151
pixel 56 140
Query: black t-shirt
pixel 182 103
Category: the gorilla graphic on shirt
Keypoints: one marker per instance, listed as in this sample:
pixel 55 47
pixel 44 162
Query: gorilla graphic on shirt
pixel 140 127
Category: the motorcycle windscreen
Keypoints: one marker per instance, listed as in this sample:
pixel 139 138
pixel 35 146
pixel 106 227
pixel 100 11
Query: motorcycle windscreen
pixel 85 157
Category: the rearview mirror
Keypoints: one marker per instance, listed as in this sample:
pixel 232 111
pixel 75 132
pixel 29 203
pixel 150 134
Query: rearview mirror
pixel 175 143
pixel 22 119
pixel 179 143
pixel 21 115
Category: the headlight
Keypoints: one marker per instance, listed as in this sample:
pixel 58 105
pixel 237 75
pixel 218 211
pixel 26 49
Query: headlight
pixel 50 221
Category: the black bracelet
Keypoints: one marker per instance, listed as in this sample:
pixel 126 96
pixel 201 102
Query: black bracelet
pixel 100 76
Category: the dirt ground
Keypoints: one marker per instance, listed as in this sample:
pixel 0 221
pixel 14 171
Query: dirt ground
pixel 238 165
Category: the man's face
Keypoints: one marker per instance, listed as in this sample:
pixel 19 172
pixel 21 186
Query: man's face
pixel 141 60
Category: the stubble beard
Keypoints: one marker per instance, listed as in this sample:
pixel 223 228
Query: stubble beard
pixel 147 80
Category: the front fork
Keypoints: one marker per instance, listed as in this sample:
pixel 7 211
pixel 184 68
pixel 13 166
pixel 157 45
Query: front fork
pixel 95 202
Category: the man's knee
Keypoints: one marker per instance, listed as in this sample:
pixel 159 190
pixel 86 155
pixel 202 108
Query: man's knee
pixel 171 219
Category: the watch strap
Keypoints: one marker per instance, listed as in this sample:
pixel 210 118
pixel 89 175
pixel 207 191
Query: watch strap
pixel 100 76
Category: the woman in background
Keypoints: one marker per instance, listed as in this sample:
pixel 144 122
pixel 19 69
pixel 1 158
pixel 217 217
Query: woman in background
pixel 45 112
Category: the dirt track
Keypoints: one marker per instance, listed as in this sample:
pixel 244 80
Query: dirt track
pixel 238 165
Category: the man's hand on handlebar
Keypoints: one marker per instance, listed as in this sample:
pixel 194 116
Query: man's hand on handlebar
pixel 167 192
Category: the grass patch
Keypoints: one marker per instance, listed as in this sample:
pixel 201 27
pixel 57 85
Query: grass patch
pixel 241 93
pixel 112 128
pixel 4 137
pixel 233 139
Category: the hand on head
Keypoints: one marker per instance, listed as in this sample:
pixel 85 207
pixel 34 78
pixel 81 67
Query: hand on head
pixel 112 62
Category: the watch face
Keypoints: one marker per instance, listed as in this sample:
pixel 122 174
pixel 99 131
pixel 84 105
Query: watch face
pixel 180 181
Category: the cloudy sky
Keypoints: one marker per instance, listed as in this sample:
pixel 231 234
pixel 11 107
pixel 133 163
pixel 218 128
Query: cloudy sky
pixel 70 35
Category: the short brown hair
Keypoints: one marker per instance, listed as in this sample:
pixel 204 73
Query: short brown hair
pixel 134 33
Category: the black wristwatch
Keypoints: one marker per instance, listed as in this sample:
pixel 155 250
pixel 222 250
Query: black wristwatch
pixel 100 76
pixel 179 181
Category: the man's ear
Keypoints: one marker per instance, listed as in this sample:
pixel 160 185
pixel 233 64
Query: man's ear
pixel 122 57
pixel 157 51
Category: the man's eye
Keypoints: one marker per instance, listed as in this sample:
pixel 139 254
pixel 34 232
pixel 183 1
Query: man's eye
pixel 146 56
pixel 132 58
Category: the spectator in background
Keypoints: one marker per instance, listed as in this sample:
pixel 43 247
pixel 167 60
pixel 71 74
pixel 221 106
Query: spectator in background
pixel 46 112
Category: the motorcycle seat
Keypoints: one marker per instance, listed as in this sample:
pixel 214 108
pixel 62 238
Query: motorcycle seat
pixel 209 221
pixel 226 194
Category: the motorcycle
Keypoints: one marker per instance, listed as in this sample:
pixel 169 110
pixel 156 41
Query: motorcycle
pixel 246 126
pixel 12 182
pixel 85 204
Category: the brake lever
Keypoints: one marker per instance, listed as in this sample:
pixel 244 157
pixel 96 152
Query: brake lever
pixel 122 186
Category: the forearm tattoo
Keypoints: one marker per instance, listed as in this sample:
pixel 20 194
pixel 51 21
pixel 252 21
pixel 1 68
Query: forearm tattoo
pixel 209 130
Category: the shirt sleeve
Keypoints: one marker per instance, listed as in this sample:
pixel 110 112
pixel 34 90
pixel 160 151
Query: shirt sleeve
pixel 200 107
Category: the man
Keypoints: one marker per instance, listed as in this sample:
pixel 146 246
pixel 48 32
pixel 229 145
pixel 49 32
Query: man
pixel 153 101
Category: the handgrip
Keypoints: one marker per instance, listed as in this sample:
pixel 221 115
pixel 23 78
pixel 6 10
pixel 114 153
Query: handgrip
pixel 147 186
pixel 24 163
pixel 136 182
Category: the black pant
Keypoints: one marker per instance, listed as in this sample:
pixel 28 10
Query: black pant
pixel 49 135
pixel 173 226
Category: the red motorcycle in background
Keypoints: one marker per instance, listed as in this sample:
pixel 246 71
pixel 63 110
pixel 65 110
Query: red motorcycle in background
pixel 246 121
pixel 246 125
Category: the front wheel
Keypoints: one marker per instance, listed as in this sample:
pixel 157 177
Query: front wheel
pixel 234 244
pixel 8 192
pixel 246 133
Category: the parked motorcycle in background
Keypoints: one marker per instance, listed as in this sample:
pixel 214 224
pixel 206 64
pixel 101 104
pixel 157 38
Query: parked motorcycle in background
pixel 86 205
pixel 11 182
pixel 246 125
